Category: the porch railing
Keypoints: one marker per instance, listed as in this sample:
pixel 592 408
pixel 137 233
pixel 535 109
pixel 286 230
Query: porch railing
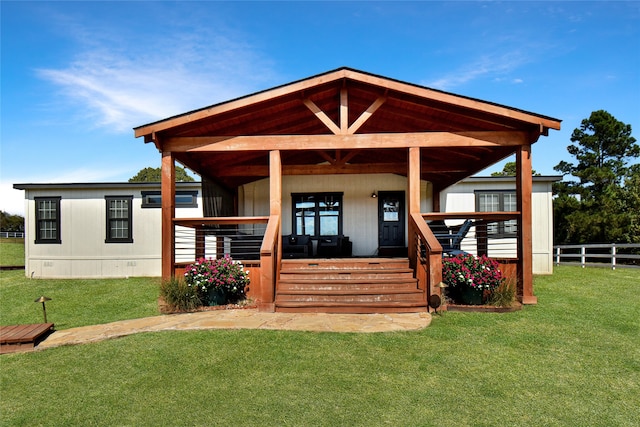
pixel 493 234
pixel 425 255
pixel 270 258
pixel 241 238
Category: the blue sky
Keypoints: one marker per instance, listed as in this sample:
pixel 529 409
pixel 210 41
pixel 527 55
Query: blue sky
pixel 78 76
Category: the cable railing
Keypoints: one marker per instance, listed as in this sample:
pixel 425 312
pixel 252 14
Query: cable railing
pixel 237 237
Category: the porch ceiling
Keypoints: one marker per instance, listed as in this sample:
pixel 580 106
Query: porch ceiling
pixel 346 121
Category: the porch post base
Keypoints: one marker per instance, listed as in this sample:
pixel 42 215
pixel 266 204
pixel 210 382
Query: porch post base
pixel 267 307
pixel 530 299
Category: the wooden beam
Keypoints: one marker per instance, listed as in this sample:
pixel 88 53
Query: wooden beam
pixel 344 111
pixel 275 183
pixel 168 192
pixel 346 74
pixel 322 116
pixel 366 115
pixel 413 175
pixel 357 141
pixel 524 187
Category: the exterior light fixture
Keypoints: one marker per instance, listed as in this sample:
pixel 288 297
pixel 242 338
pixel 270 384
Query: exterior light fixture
pixel 434 302
pixel 43 299
pixel 374 195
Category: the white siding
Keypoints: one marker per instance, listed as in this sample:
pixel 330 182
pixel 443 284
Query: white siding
pixel 83 252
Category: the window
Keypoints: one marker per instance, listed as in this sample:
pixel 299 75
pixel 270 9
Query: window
pixel 184 199
pixel 317 214
pixel 498 201
pixel 48 220
pixel 119 219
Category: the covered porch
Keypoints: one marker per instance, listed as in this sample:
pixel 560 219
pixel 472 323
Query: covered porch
pixel 330 135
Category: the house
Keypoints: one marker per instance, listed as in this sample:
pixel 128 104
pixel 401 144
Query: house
pixel 332 181
pixel 305 157
pixel 93 230
pixel 77 241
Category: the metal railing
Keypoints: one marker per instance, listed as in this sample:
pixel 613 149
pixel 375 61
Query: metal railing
pixel 237 237
pixel 599 255
pixel 493 234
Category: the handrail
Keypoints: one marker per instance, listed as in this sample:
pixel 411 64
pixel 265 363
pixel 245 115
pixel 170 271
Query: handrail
pixel 232 220
pixel 486 216
pixel 269 264
pixel 426 255
pixel 426 234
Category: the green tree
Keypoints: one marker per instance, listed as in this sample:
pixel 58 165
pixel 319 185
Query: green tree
pixel 155 175
pixel 595 207
pixel 510 170
pixel 10 222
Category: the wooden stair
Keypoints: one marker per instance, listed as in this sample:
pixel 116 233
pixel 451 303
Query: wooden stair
pixel 349 285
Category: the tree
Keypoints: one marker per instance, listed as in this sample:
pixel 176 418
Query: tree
pixel 155 175
pixel 510 170
pixel 10 222
pixel 595 207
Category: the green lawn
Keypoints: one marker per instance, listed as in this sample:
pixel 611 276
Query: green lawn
pixel 11 252
pixel 75 302
pixel 572 360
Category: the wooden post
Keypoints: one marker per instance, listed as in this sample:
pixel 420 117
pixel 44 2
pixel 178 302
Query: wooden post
pixel 200 243
pixel 436 199
pixel 524 187
pixel 270 264
pixel 168 193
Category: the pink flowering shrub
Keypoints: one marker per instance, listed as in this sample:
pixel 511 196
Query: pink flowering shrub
pixel 466 271
pixel 224 274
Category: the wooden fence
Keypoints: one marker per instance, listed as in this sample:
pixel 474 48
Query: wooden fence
pixel 599 255
pixel 11 235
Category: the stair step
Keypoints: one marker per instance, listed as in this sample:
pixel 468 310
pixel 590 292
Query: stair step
pixel 337 290
pixel 344 263
pixel 342 274
pixel 352 285
pixel 349 286
pixel 384 307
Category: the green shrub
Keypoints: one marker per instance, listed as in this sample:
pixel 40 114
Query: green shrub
pixel 180 296
pixel 504 295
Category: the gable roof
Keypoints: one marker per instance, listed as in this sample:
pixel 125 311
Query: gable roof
pixel 345 114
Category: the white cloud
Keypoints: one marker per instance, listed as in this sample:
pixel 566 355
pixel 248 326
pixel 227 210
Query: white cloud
pixel 488 66
pixel 155 77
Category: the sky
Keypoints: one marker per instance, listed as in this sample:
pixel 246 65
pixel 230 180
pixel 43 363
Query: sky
pixel 78 76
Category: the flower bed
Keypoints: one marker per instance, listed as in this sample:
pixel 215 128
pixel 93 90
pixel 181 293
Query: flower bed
pixel 471 280
pixel 205 283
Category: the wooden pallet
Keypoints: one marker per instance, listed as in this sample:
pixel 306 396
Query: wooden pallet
pixel 17 338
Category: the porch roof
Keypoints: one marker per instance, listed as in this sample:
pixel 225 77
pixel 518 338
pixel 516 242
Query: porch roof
pixel 346 121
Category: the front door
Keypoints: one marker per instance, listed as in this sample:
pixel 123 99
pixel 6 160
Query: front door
pixel 391 219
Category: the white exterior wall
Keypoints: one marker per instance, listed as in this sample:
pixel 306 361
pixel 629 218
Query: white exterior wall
pixel 360 210
pixel 83 252
pixel 461 198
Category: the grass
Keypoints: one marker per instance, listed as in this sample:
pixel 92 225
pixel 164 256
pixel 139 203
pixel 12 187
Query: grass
pixel 11 252
pixel 75 302
pixel 574 359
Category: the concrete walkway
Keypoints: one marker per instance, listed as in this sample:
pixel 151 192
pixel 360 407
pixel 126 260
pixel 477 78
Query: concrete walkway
pixel 241 319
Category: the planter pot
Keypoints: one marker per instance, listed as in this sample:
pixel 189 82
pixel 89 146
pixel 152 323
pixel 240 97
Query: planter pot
pixel 216 297
pixel 471 296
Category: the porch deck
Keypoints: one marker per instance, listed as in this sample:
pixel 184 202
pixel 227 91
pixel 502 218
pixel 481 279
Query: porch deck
pixel 16 338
